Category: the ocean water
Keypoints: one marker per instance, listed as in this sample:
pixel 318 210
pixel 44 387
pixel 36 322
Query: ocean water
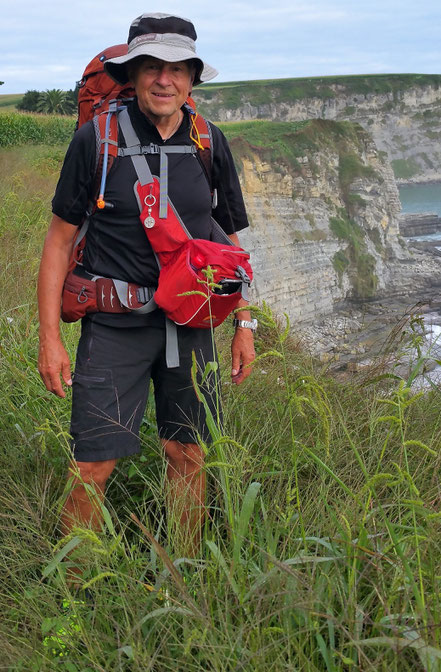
pixel 421 198
pixel 426 198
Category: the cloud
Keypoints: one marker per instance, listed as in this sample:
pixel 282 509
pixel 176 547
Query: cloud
pixel 47 44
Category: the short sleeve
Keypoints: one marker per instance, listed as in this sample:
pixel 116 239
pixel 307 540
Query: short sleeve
pixel 76 182
pixel 230 212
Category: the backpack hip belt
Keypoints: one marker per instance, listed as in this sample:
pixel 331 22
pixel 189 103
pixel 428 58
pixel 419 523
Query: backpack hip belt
pixel 85 292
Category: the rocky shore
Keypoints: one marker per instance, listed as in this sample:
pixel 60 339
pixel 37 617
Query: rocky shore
pixel 419 224
pixel 357 339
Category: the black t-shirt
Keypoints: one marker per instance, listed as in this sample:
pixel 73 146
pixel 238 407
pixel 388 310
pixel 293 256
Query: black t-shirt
pixel 117 246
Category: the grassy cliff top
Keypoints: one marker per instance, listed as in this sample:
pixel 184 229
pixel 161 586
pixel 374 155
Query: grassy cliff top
pixel 232 94
pixel 286 142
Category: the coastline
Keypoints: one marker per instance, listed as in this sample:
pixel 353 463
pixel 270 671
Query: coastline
pixel 418 180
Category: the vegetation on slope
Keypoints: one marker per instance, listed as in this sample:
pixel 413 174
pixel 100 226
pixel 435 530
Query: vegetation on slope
pixel 283 144
pixel 232 95
pixel 286 142
pixel 9 101
pixel 322 547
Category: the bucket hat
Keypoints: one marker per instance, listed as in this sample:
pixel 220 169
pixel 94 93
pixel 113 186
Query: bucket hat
pixel 165 36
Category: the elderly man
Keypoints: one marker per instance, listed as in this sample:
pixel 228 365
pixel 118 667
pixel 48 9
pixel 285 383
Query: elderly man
pixel 118 354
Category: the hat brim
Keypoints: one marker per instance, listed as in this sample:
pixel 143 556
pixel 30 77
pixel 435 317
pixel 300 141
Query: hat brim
pixel 117 67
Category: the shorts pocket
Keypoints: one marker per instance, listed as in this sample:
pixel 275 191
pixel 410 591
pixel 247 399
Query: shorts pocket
pixel 95 408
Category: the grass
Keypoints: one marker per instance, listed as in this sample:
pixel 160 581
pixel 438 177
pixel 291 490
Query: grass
pixel 286 142
pixel 213 97
pixel 321 552
pixel 9 101
pixel 355 257
pixel 20 128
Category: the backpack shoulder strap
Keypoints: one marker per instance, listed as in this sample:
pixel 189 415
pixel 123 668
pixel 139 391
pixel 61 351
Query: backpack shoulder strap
pixel 106 141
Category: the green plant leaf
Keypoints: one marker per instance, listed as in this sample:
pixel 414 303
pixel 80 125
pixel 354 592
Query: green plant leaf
pixel 128 650
pixel 71 544
pixel 217 554
pixel 248 503
pixel 161 611
pixel 210 367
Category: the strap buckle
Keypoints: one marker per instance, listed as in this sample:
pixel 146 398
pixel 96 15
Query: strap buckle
pixel 144 294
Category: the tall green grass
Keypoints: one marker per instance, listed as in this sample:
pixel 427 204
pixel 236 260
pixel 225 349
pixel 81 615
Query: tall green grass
pixel 321 551
pixel 17 128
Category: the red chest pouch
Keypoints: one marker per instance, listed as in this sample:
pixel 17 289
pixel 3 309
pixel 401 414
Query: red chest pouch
pixel 200 281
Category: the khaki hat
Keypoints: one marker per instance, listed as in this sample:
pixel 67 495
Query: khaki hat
pixel 164 36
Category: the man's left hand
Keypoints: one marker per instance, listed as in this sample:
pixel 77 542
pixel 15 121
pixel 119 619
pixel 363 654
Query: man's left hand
pixel 242 355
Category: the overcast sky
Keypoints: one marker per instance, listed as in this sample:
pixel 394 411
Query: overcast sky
pixel 45 44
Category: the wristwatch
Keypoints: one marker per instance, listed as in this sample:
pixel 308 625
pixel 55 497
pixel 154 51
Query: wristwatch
pixel 246 324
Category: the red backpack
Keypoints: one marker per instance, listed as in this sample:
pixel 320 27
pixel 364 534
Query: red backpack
pixel 97 89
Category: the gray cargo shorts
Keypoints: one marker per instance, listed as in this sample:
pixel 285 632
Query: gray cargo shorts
pixel 111 384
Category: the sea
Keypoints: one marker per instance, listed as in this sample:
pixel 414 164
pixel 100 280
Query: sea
pixel 422 198
pixel 426 198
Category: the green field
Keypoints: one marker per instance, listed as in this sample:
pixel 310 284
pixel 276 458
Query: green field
pixel 8 102
pixel 322 545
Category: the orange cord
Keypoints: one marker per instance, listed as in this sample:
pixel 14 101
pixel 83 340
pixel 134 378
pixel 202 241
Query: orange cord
pixel 197 139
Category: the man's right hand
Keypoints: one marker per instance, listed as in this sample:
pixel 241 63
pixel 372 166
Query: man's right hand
pixel 54 366
pixel 53 360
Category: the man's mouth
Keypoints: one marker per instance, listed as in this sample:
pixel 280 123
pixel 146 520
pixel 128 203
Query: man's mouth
pixel 162 95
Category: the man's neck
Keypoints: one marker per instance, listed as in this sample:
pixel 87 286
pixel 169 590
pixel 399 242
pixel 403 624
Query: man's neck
pixel 166 126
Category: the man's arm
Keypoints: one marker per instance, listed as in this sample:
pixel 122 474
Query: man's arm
pixel 242 346
pixel 53 360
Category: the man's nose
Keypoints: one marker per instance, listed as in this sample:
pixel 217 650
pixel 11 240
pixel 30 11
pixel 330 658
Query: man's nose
pixel 163 77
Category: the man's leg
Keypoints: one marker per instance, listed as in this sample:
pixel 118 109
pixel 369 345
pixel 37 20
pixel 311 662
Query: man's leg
pixel 83 508
pixel 186 494
pixel 181 422
pixel 110 390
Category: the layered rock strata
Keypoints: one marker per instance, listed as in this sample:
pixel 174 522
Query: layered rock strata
pixel 324 212
pixel 419 224
pixel 402 112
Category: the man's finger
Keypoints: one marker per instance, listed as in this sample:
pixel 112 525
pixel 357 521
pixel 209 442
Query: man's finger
pixel 66 373
pixel 235 364
pixel 56 386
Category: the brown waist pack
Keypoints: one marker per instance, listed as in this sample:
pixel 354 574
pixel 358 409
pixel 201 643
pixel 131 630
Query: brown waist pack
pixel 85 293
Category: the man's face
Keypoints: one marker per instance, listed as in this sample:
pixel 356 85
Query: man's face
pixel 161 87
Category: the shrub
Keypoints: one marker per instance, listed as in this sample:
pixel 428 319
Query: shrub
pixel 29 102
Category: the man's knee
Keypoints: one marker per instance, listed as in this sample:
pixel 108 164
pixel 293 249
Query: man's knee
pixel 93 473
pixel 181 455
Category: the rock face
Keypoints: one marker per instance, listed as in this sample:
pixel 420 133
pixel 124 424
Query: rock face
pixel 324 217
pixel 402 112
pixel 419 224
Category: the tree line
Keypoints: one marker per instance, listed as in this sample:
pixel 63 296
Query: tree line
pixel 51 101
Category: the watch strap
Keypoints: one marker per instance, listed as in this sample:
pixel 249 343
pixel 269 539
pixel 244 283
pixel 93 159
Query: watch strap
pixel 245 324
